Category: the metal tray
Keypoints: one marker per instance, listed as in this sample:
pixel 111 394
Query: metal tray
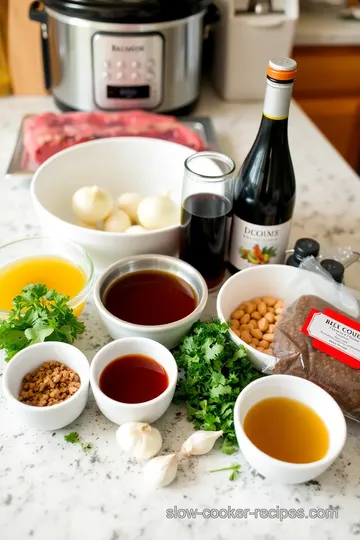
pixel 20 166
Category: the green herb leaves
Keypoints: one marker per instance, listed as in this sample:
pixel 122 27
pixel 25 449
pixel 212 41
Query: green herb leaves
pixel 38 315
pixel 73 438
pixel 234 468
pixel 215 371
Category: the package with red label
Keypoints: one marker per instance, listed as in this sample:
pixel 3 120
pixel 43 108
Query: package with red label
pixel 317 341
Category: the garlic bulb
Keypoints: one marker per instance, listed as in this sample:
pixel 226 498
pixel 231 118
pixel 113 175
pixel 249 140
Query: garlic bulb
pixel 91 204
pixel 161 471
pixel 200 442
pixel 136 229
pixel 118 221
pixel 158 212
pixel 81 223
pixel 129 202
pixel 142 440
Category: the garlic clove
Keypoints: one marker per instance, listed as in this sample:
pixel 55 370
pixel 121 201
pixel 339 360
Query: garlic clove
pixel 118 221
pixel 141 439
pixel 129 202
pixel 200 442
pixel 91 204
pixel 161 471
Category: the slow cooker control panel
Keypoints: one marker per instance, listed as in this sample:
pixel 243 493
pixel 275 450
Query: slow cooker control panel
pixel 127 70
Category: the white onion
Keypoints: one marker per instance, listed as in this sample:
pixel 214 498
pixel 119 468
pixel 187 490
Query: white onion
pixel 136 229
pixel 91 204
pixel 129 202
pixel 81 223
pixel 158 212
pixel 118 221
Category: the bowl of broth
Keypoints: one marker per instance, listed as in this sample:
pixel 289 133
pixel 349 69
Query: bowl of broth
pixel 58 264
pixel 133 380
pixel 151 296
pixel 289 429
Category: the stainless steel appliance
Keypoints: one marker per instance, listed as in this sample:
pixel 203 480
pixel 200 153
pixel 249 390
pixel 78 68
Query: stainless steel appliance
pixel 122 54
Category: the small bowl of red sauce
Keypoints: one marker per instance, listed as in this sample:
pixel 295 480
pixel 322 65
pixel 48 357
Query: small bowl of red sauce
pixel 133 380
pixel 152 296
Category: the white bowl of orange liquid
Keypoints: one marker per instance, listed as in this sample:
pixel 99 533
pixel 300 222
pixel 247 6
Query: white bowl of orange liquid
pixel 289 429
pixel 60 265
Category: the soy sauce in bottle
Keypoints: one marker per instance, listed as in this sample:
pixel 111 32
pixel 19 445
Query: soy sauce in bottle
pixel 264 195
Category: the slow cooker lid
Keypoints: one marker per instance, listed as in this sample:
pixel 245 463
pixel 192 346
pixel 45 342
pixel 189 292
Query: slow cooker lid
pixel 128 11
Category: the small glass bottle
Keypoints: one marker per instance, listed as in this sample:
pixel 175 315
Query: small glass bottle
pixel 304 247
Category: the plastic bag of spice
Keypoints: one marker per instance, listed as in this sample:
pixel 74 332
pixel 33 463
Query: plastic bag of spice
pixel 319 341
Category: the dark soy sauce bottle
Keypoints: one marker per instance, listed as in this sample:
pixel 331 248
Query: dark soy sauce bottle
pixel 264 195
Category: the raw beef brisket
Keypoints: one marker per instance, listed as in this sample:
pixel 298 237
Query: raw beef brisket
pixel 48 133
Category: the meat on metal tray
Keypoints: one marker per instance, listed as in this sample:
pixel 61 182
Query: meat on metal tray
pixel 20 164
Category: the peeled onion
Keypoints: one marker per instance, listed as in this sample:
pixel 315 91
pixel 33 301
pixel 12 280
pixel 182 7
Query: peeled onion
pixel 81 223
pixel 91 204
pixel 136 229
pixel 129 202
pixel 118 221
pixel 158 212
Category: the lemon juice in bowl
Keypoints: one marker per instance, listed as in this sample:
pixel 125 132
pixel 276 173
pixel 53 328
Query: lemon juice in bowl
pixel 59 265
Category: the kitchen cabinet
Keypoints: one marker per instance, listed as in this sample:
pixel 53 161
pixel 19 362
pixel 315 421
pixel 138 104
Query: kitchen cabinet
pixel 24 50
pixel 328 90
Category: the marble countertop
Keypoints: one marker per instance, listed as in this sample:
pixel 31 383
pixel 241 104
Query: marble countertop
pixel 320 25
pixel 50 489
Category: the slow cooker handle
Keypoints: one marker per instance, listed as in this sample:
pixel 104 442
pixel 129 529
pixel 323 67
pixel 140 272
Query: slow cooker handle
pixel 37 13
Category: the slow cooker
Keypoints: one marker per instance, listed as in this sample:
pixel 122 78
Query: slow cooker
pixel 122 54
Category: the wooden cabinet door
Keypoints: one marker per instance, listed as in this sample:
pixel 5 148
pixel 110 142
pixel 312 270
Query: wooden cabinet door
pixel 339 120
pixel 24 50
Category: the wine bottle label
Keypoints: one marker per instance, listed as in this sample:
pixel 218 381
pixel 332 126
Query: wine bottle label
pixel 257 244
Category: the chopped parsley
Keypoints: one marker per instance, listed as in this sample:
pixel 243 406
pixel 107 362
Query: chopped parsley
pixel 74 438
pixel 38 315
pixel 215 372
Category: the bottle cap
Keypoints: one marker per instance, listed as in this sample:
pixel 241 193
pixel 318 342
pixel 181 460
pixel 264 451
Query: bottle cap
pixel 282 69
pixel 306 247
pixel 335 269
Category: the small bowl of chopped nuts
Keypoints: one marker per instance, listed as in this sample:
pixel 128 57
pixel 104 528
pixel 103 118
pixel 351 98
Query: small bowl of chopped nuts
pixel 47 384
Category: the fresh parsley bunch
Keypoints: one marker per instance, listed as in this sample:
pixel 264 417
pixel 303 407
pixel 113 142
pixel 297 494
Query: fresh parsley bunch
pixel 38 315
pixel 215 372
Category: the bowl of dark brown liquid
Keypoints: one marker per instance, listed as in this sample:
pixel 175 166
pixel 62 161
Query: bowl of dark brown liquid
pixel 133 380
pixel 151 296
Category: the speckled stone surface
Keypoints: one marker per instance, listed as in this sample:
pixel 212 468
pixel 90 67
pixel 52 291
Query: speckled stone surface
pixel 50 489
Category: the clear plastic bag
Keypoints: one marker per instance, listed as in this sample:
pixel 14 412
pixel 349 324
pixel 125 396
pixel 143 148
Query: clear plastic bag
pixel 318 338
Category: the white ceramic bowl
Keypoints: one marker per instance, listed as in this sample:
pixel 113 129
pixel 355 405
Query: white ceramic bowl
pixel 119 165
pixel 149 411
pixel 28 360
pixel 282 282
pixel 168 335
pixel 308 393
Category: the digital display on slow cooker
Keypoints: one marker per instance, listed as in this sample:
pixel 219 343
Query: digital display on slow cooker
pixel 128 92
